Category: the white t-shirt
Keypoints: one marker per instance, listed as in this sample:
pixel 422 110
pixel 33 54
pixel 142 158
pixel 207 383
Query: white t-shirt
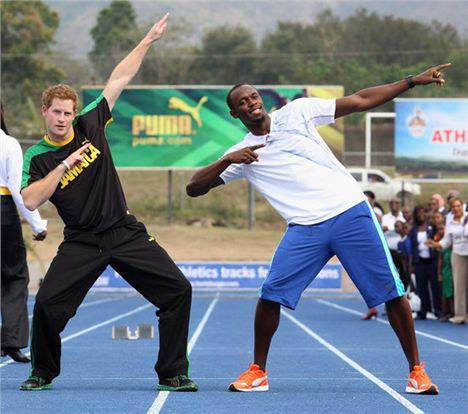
pixel 11 170
pixel 388 220
pixel 297 172
pixel 423 249
pixel 392 237
pixel 456 235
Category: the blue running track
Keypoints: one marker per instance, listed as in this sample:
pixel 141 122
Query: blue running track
pixel 323 359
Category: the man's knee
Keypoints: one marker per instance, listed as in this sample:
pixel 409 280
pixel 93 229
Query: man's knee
pixel 185 288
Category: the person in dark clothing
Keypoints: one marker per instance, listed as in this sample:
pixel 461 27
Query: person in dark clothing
pixel 72 167
pixel 15 274
pixel 424 263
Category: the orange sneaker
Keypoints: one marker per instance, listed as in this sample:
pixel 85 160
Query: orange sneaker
pixel 254 379
pixel 419 382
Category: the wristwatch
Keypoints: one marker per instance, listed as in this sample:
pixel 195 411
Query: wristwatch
pixel 409 81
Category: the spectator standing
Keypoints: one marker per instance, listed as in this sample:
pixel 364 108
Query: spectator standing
pixel 456 235
pixel 390 233
pixel 407 215
pixel 440 203
pixel 389 219
pixel 15 275
pixel 444 272
pixel 424 263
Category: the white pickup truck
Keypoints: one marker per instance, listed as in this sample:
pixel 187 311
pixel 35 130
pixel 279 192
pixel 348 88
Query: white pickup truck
pixel 382 185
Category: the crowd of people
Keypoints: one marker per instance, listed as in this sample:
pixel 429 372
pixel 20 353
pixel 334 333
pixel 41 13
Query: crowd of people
pixel 429 247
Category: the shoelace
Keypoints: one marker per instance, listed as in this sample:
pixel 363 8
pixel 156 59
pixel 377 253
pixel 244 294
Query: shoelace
pixel 421 373
pixel 249 376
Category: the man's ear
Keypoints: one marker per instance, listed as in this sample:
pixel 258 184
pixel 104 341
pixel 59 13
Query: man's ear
pixel 44 110
pixel 233 114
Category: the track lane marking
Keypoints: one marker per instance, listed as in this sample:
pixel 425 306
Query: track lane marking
pixel 91 328
pixel 394 394
pixel 86 304
pixel 159 401
pixel 354 312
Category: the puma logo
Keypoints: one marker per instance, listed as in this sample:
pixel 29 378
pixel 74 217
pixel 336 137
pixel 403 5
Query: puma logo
pixel 177 103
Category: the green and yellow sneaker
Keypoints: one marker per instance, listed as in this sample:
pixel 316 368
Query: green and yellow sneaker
pixel 178 383
pixel 36 384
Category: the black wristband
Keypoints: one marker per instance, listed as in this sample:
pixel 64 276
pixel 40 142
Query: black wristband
pixel 409 81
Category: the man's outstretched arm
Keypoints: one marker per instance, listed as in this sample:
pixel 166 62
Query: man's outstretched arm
pixel 371 97
pixel 209 177
pixel 124 72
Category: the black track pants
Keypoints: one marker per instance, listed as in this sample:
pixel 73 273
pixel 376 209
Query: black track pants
pixel 136 256
pixel 15 278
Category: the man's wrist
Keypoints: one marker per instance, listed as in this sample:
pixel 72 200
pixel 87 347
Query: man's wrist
pixel 66 165
pixel 409 81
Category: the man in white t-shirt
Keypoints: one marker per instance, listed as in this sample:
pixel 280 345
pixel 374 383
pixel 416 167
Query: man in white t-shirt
pixel 288 162
pixel 389 219
pixel 15 274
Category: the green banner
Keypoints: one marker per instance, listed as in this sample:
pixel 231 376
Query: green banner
pixel 191 127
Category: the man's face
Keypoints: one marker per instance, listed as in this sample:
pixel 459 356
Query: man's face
pixel 58 118
pixel 406 213
pixel 433 204
pixel 395 206
pixel 247 105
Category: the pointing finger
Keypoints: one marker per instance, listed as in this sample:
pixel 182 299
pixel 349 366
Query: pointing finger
pixel 84 147
pixel 443 66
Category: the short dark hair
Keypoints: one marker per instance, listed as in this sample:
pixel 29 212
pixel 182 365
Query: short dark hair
pixel 229 98
pixel 416 209
pixel 370 194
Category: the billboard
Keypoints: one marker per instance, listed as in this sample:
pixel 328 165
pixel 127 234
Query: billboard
pixel 188 127
pixel 224 276
pixel 431 137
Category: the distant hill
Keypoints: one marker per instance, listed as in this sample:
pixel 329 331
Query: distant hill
pixel 77 17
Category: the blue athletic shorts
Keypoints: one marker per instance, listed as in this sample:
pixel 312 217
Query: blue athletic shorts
pixel 355 237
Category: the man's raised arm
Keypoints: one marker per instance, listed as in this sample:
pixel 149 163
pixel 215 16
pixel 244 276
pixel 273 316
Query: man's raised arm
pixel 372 97
pixel 124 72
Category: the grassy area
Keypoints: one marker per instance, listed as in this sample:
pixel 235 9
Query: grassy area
pixel 147 197
pixel 182 242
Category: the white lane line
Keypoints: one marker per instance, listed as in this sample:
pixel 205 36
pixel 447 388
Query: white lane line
pixel 92 328
pixel 95 302
pixel 435 338
pixel 158 403
pixel 403 401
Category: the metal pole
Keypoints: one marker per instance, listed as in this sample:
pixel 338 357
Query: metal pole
pixel 169 197
pixel 402 193
pixel 251 212
pixel 368 139
pixel 182 189
pixel 369 116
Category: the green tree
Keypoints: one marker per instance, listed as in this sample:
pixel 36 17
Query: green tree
pixel 363 49
pixel 227 55
pixel 27 30
pixel 294 46
pixel 115 34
